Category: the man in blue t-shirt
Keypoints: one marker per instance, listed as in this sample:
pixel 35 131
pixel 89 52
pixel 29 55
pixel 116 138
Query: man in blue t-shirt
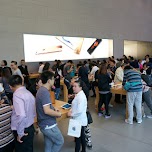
pixel 47 114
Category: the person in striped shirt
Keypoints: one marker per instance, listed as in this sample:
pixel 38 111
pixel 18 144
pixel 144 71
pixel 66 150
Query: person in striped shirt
pixel 6 135
pixel 134 93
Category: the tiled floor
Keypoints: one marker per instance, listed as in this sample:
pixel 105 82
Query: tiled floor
pixel 109 135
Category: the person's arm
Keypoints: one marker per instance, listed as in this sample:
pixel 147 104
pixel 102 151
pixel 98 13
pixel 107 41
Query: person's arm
pixel 20 74
pixel 51 112
pixel 124 79
pixel 19 108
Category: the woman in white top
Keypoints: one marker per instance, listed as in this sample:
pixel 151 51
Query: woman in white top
pixel 78 112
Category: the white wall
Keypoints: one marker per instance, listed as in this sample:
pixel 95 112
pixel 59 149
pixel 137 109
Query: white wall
pixel 114 19
pixel 144 48
pixel 137 49
pixel 130 48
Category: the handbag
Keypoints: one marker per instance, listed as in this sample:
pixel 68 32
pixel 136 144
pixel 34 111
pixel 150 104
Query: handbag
pixel 74 128
pixel 89 117
pixel 128 85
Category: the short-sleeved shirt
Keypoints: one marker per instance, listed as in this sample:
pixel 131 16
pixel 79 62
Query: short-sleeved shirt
pixel 43 99
pixel 17 72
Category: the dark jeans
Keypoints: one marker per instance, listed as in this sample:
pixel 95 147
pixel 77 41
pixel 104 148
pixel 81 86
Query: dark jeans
pixel 118 97
pixel 8 148
pixel 27 145
pixel 147 97
pixel 104 98
pixel 80 141
pixel 93 85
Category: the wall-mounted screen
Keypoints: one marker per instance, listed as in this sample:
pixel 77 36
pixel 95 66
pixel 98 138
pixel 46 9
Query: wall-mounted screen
pixel 49 48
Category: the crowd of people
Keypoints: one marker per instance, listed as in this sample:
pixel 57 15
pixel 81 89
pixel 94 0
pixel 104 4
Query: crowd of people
pixel 21 101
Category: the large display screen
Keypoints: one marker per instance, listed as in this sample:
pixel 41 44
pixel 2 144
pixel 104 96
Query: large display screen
pixel 48 48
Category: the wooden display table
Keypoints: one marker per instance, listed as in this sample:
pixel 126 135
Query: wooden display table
pixel 58 104
pixel 34 76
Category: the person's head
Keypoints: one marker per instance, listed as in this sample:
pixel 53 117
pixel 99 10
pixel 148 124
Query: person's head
pixel 94 64
pixel 123 65
pixel 69 62
pixel 147 56
pixel 128 67
pixel 38 83
pixel 112 63
pixel 84 62
pixel 23 62
pixel 15 82
pixel 77 86
pixel 6 73
pixel 55 62
pixel 14 65
pixel 47 78
pixel 112 57
pixel 124 57
pixel 102 69
pixel 47 67
pixel 144 65
pixel 40 63
pixel 139 61
pixel 3 63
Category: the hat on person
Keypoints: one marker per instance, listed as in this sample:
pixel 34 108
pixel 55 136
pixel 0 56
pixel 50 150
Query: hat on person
pixel 1 87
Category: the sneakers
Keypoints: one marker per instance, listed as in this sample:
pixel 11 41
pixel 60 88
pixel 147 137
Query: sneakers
pixel 149 116
pixel 110 105
pixel 100 114
pixel 107 116
pixel 126 121
pixel 139 122
pixel 144 115
pixel 89 146
pixel 103 109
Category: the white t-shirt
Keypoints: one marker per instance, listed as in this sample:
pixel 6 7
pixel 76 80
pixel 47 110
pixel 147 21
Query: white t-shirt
pixel 119 75
pixel 41 68
pixel 94 69
pixel 17 72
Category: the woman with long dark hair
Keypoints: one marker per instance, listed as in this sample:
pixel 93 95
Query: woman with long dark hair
pixel 104 90
pixel 5 75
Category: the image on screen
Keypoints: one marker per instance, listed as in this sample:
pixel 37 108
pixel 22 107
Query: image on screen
pixel 66 106
pixel 48 48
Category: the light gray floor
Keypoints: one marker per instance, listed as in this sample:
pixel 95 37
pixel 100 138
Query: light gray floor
pixel 109 135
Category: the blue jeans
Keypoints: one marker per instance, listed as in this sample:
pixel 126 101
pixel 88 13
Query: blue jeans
pixel 53 139
pixel 57 93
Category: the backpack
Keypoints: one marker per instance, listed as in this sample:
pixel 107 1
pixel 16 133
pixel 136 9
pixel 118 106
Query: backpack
pixel 147 79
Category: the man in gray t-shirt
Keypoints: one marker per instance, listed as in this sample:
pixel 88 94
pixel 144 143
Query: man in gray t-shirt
pixel 47 114
pixel 16 70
